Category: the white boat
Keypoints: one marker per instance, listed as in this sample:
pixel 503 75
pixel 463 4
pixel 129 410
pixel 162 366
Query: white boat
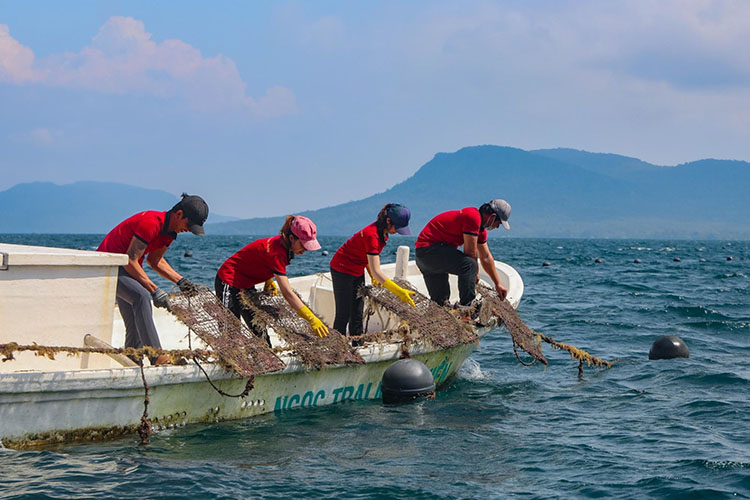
pixel 54 297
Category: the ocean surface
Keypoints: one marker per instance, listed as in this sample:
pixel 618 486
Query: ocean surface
pixel 643 429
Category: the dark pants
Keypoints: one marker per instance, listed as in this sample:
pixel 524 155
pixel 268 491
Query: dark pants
pixel 229 297
pixel 348 305
pixel 436 262
pixel 134 303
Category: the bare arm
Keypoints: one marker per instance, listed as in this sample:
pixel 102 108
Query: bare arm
pixel 159 264
pixel 488 264
pixel 286 290
pixel 133 267
pixel 373 263
pixel 470 245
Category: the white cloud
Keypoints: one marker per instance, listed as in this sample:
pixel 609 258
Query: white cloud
pixel 123 59
pixel 16 61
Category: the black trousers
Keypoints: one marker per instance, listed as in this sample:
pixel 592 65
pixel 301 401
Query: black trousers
pixel 436 262
pixel 134 303
pixel 229 297
pixel 349 306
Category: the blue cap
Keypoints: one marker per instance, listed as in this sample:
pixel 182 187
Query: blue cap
pixel 399 216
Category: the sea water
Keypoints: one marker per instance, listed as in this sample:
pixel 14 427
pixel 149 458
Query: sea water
pixel 643 429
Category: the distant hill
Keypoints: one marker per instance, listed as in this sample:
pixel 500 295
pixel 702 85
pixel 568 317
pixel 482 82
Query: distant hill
pixel 557 193
pixel 81 207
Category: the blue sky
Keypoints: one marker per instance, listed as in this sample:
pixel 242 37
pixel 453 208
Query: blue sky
pixel 267 108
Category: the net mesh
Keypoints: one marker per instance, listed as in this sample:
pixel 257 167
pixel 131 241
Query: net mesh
pixel 427 321
pixel 232 343
pixel 312 351
pixel 522 336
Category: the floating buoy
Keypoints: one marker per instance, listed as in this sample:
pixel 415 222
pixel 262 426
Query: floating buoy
pixel 546 263
pixel 324 253
pixel 668 347
pixel 598 260
pixel 729 258
pixel 702 260
pixel 676 259
pixel 188 253
pixel 637 261
pixel 406 380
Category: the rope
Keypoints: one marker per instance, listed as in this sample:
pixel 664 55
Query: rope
pixel 144 430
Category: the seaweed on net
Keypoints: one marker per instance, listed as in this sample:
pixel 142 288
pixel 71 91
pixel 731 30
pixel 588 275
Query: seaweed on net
pixel 313 352
pixel 235 346
pixel 528 339
pixel 427 321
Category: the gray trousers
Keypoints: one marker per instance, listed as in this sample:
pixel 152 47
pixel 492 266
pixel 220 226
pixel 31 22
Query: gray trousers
pixel 134 302
pixel 436 262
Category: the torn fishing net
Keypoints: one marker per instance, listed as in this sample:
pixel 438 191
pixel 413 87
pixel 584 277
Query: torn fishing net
pixel 312 351
pixel 235 346
pixel 427 321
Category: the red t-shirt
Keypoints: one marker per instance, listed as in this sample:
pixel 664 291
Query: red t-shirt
pixel 256 263
pixel 151 227
pixel 450 227
pixel 351 258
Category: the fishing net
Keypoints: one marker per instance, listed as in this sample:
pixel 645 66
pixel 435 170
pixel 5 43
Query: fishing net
pixel 426 322
pixel 312 351
pixel 529 340
pixel 233 344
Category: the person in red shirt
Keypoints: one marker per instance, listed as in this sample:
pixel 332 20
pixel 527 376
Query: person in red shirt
pixel 363 251
pixel 147 235
pixel 437 253
pixel 263 260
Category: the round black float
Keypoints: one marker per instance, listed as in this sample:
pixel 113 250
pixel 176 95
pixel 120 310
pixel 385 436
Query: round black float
pixel 546 263
pixel 676 259
pixel 406 380
pixel 637 261
pixel 668 347
pixel 188 253
pixel 324 253
pixel 598 260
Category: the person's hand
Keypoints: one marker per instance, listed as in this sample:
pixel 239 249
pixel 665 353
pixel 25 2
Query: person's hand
pixel 187 286
pixel 270 288
pixel 502 292
pixel 401 293
pixel 317 326
pixel 160 298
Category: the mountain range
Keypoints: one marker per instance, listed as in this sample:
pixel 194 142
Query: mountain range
pixel 553 192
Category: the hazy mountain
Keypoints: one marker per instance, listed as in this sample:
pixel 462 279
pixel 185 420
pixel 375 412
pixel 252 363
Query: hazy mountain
pixel 81 207
pixel 557 193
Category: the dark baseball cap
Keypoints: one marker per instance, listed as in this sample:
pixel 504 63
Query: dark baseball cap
pixel 400 215
pixel 196 210
pixel 502 211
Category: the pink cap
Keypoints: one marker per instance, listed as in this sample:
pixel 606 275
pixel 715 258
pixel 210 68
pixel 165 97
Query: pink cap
pixel 304 229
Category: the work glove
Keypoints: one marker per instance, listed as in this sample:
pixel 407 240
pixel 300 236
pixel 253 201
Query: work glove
pixel 270 288
pixel 187 286
pixel 160 297
pixel 401 293
pixel 318 327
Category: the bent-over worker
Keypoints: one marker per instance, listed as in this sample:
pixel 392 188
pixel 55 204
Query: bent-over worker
pixel 148 235
pixel 360 252
pixel 437 253
pixel 264 260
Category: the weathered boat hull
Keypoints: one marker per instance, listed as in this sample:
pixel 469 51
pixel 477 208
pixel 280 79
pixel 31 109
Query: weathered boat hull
pixel 48 408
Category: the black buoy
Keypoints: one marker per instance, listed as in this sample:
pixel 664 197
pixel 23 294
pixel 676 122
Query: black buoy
pixel 637 261
pixel 676 259
pixel 324 253
pixel 702 260
pixel 730 258
pixel 668 347
pixel 598 260
pixel 188 253
pixel 546 263
pixel 406 380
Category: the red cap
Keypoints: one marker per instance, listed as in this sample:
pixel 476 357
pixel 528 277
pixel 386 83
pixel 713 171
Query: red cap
pixel 304 229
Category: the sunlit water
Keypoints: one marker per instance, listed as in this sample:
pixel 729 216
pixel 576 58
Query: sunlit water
pixel 643 429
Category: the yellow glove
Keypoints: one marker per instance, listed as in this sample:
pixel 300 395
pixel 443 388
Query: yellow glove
pixel 271 288
pixel 318 327
pixel 401 293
